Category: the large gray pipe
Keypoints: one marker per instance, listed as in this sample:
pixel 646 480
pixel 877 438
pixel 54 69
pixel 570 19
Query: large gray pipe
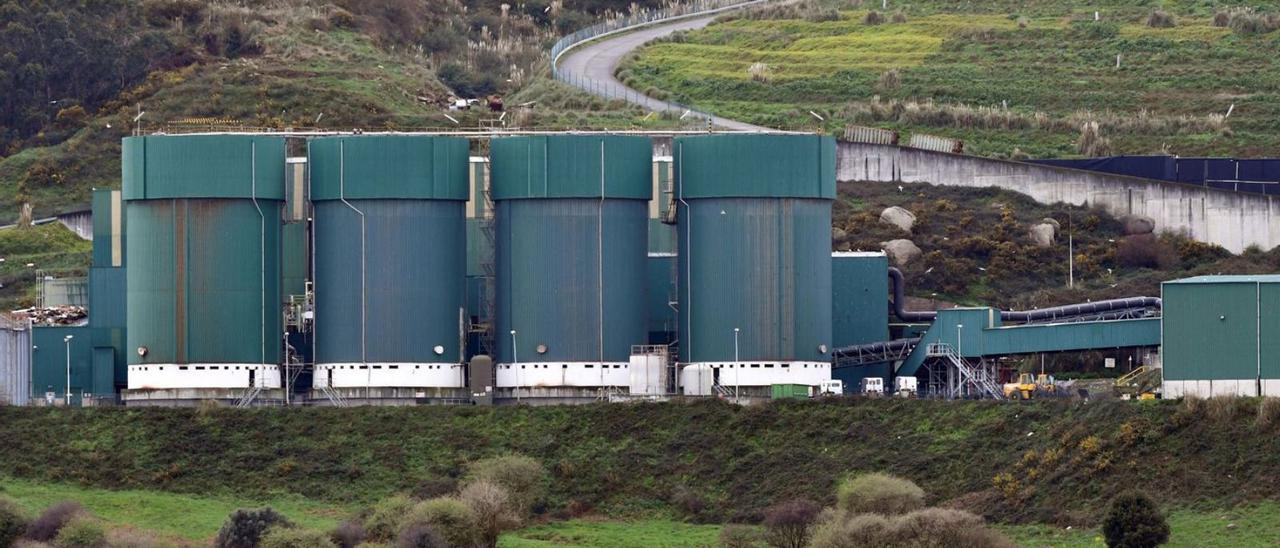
pixel 1037 315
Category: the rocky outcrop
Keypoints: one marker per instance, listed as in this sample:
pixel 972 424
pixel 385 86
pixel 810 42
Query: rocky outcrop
pixel 901 252
pixel 899 217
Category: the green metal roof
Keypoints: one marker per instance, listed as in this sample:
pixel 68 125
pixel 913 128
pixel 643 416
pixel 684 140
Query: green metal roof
pixel 1230 279
pixel 756 166
pixel 571 166
pixel 203 166
pixel 389 167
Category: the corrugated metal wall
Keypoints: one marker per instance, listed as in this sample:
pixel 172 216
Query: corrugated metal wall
pixel 15 363
pixel 859 298
pixel 550 274
pixel 414 274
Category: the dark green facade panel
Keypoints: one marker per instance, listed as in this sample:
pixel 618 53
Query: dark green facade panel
pixel 389 167
pixel 662 293
pixel 571 278
pixel 1210 331
pixel 755 165
pixel 108 228
pixel 404 278
pixel 203 283
pixel 759 265
pixel 859 298
pixel 107 297
pixel 294 259
pixel 203 166
pixel 572 166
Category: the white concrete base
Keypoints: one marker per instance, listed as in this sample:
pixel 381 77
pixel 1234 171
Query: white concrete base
pixel 191 397
pixel 388 375
pixel 1211 388
pixel 203 375
pixel 566 374
pixel 697 379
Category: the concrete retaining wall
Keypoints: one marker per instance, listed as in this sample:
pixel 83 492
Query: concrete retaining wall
pixel 1232 220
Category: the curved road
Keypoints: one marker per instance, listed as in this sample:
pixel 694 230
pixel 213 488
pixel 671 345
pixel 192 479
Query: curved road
pixel 597 60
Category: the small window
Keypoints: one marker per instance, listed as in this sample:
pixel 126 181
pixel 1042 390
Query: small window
pixel 377 367
pixel 522 367
pixel 565 366
pixel 591 366
pixel 182 368
pixel 769 365
pixel 755 365
pixel 393 367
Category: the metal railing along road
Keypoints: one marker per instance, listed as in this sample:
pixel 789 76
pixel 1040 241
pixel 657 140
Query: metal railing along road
pixel 643 18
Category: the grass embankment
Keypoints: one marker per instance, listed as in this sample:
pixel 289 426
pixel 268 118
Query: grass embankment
pixel 1052 462
pixel 52 249
pixel 977 248
pixel 948 68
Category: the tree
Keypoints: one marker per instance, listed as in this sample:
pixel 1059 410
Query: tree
pixel 245 528
pixel 787 524
pixel 1134 521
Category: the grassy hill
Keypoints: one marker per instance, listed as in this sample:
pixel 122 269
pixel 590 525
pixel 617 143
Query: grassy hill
pixel 1045 462
pixel 1010 78
pixel 266 65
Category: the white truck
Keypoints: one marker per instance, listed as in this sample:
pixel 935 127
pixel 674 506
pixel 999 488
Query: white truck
pixel 905 387
pixel 873 386
pixel 833 387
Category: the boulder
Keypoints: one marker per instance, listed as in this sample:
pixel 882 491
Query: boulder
pixel 838 234
pixel 898 217
pixel 1138 224
pixel 1042 234
pixel 901 252
pixel 1052 221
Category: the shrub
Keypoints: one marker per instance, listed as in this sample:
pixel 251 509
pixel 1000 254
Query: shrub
pixel 420 535
pixel 245 528
pixel 342 19
pixel 934 527
pixel 899 17
pixel 1145 251
pixel 787 524
pixel 889 80
pixel 878 494
pixel 1134 521
pixel 453 520
pixel 523 477
pixel 45 527
pixel 873 18
pixel 688 501
pixel 1162 19
pixel 759 72
pixel 289 537
pixel 822 15
pixel 13 521
pixel 386 518
pixel 81 532
pixel 1091 141
pixel 436 486
pixel 739 536
pixel 493 508
pixel 1221 19
pixel 1268 414
pixel 1226 408
pixel 349 534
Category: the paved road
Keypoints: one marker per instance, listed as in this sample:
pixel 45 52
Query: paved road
pixel 598 60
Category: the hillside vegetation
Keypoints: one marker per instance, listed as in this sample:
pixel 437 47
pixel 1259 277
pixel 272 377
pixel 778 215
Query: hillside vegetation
pixel 977 248
pixel 29 253
pixel 1052 462
pixel 1010 78
pixel 75 75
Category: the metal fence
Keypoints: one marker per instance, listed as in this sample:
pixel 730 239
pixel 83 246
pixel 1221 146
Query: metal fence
pixel 643 18
pixel 15 362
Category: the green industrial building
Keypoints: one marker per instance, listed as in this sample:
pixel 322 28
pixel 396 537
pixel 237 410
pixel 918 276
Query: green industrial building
pixel 1221 336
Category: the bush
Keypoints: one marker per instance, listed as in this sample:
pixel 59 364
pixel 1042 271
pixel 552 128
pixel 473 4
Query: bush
pixel 787 524
pixel 1134 521
pixel 1161 19
pixel 494 510
pixel 453 520
pixel 1091 141
pixel 289 537
pixel 688 501
pixel 739 536
pixel 934 527
pixel 13 521
pixel 245 528
pixel 81 532
pixel 873 18
pixel 420 535
pixel 1145 251
pixel 45 527
pixel 899 17
pixel 878 494
pixel 436 486
pixel 524 478
pixel 1268 415
pixel 349 534
pixel 889 80
pixel 387 518
pixel 759 72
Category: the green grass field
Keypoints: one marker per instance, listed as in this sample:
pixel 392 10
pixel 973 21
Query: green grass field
pixel 958 65
pixel 192 519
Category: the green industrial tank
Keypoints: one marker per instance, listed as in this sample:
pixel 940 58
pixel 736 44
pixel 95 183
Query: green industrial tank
pixel 390 260
pixel 203 276
pixel 754 266
pixel 571 248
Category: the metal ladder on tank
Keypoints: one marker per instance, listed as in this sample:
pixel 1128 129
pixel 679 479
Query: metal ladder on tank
pixel 485 328
pixel 968 376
